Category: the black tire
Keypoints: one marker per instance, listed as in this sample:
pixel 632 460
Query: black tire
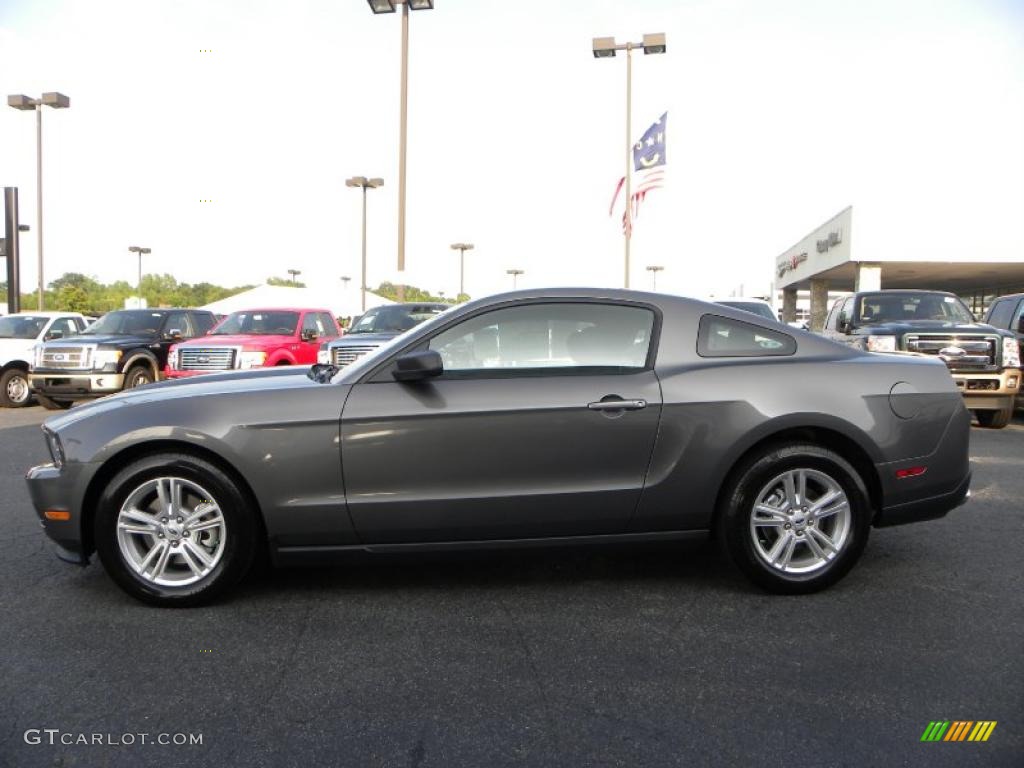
pixel 735 530
pixel 240 539
pixel 138 376
pixel 994 419
pixel 53 405
pixel 14 389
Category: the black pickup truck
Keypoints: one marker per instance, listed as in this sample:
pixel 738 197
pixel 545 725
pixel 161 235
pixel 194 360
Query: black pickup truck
pixel 984 360
pixel 123 349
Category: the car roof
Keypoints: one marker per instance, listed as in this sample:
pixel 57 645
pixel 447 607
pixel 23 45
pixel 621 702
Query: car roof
pixel 45 314
pixel 282 309
pixel 1011 296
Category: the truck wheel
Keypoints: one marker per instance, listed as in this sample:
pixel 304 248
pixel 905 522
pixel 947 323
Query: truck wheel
pixel 53 405
pixel 137 376
pixel 14 389
pixel 994 419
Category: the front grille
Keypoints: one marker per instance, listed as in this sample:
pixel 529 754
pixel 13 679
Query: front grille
pixel 958 352
pixel 206 359
pixel 70 358
pixel 349 353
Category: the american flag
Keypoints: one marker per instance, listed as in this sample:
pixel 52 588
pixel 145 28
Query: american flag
pixel 648 160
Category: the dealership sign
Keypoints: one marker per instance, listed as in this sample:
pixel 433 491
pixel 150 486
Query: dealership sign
pixel 789 263
pixel 833 239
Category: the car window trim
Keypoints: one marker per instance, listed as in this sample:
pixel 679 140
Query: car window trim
pixel 381 373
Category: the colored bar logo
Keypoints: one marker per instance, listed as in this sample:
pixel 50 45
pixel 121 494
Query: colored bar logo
pixel 958 730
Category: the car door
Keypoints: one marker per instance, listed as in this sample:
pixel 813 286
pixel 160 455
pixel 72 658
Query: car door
pixel 310 337
pixel 542 424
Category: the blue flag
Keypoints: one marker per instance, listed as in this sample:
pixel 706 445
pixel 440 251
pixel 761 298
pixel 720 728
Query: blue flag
pixel 649 152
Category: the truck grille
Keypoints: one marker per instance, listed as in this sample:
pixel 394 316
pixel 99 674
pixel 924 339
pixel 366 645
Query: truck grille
pixel 958 352
pixel 342 356
pixel 71 358
pixel 206 359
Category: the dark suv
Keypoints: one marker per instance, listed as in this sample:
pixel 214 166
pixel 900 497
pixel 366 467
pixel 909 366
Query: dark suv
pixel 123 349
pixel 1007 314
pixel 984 361
pixel 375 328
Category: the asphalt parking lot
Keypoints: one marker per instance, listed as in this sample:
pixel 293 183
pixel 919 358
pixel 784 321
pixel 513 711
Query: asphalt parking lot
pixel 602 657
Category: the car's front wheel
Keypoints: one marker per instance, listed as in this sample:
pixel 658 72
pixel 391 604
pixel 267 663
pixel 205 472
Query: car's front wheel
pixel 995 419
pixel 175 530
pixel 138 376
pixel 14 389
pixel 797 518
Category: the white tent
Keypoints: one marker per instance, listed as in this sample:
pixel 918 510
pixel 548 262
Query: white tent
pixel 342 302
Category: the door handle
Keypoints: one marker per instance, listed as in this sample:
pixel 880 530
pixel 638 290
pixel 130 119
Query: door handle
pixel 617 405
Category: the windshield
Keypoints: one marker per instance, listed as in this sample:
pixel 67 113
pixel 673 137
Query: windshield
pixel 395 319
pixel 751 306
pixel 258 323
pixel 124 322
pixel 900 307
pixel 21 326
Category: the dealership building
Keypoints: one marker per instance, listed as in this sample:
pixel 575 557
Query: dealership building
pixel 886 253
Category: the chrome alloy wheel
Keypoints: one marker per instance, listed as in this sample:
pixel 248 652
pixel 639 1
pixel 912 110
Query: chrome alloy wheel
pixel 17 389
pixel 171 532
pixel 800 521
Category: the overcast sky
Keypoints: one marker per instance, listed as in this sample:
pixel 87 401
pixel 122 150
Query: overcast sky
pixel 781 114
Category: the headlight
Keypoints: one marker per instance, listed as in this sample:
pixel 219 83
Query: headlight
pixel 1011 353
pixel 172 359
pixel 323 356
pixel 56 449
pixel 881 344
pixel 252 359
pixel 37 355
pixel 105 357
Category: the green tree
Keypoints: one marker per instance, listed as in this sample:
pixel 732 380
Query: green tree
pixel 285 282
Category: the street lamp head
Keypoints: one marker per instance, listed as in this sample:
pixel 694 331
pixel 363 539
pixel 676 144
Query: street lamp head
pixel 654 269
pixel 374 183
pixel 356 181
pixel 139 249
pixel 654 43
pixel 514 271
pixel 382 6
pixel 420 5
pixel 604 47
pixel 21 101
pixel 462 246
pixel 56 100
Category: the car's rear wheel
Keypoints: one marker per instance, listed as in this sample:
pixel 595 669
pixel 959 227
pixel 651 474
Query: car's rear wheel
pixel 175 530
pixel 797 518
pixel 14 389
pixel 994 419
pixel 138 376
pixel 53 405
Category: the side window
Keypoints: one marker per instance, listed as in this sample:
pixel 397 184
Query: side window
pixel 327 323
pixel 311 322
pixel 724 337
pixel 1000 314
pixel 539 337
pixel 177 321
pixel 66 326
pixel 202 323
pixel 1015 326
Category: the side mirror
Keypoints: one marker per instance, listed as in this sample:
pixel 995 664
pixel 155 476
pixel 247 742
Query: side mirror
pixel 174 333
pixel 54 334
pixel 308 334
pixel 415 366
pixel 844 324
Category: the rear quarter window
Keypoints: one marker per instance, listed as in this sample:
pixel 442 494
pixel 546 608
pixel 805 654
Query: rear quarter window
pixel 719 336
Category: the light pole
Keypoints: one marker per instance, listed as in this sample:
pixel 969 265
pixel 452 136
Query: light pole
pixel 605 48
pixel 57 101
pixel 388 6
pixel 654 276
pixel 462 248
pixel 515 275
pixel 139 250
pixel 345 280
pixel 365 183
pixel 294 273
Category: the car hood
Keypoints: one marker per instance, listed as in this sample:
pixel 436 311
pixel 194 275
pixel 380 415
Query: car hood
pixel 238 340
pixel 212 384
pixel 363 338
pixel 115 339
pixel 926 326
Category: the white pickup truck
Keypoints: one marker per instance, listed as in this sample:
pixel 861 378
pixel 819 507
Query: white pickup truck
pixel 19 335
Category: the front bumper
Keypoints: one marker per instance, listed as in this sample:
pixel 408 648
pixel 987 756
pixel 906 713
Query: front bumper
pixel 989 391
pixel 77 385
pixel 52 489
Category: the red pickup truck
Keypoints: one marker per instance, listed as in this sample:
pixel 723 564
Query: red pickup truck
pixel 254 338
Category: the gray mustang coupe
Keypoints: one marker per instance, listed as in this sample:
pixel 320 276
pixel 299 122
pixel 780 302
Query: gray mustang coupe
pixel 533 418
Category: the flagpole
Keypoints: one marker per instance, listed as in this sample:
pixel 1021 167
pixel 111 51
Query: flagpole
pixel 629 159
